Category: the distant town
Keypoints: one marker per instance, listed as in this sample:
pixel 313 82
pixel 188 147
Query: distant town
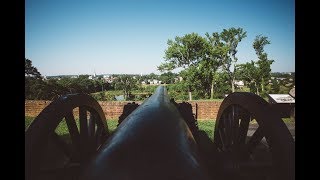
pixel 109 78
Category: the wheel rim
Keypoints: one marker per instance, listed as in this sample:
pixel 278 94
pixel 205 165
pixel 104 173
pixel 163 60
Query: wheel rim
pixel 49 154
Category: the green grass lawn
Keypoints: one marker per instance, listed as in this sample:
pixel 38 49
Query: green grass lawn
pixel 62 128
pixel 205 125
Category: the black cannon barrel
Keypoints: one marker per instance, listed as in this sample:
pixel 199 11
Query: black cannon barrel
pixel 153 142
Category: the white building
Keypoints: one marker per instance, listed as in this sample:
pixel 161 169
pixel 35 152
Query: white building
pixel 239 83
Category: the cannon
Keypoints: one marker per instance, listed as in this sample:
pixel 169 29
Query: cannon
pixel 159 139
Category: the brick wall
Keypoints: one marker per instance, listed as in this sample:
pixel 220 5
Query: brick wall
pixel 113 109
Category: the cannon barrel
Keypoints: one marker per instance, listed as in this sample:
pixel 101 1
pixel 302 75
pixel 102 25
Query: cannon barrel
pixel 153 142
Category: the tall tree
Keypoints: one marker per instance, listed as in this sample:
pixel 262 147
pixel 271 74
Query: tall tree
pixel 216 51
pixel 185 51
pixel 263 62
pixel 225 45
pixel 193 53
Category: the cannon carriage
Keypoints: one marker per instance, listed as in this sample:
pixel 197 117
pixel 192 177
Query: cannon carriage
pixel 159 139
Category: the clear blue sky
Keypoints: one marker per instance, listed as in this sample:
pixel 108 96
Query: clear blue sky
pixel 130 36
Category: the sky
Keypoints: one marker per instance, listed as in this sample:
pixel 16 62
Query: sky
pixel 69 37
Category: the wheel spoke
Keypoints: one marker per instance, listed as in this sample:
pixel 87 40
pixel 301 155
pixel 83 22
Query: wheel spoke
pixel 222 132
pixel 83 132
pixel 73 130
pixel 83 123
pixel 228 122
pixel 226 130
pixel 255 139
pixel 243 129
pixel 235 125
pixel 92 124
pixel 98 136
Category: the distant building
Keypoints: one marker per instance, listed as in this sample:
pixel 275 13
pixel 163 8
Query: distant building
pixel 239 83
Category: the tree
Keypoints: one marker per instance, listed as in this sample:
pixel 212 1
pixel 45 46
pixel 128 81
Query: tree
pixel 275 86
pixel 225 48
pixel 126 83
pixel 258 73
pixel 34 85
pixel 199 79
pixel 30 70
pixel 184 51
pixel 193 53
pixel 167 77
pixel 221 85
pixel 251 74
pixel 264 63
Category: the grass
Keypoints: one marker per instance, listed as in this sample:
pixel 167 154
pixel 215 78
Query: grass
pixel 207 126
pixel 62 130
pixel 288 120
pixel 27 122
pixel 204 125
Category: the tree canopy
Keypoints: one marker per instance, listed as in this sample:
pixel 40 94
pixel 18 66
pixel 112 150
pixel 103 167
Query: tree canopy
pixel 30 70
pixel 201 57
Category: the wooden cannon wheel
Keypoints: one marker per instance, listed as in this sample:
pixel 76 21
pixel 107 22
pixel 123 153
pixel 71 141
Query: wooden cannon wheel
pixel 49 155
pixel 268 153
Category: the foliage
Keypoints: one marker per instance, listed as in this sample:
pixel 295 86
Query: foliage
pixel 193 53
pixel 274 87
pixel 204 125
pixel 50 89
pixel 126 83
pixel 249 72
pixel 221 85
pixel 263 63
pixel 168 77
pixel 201 57
pixel 258 73
pixel 225 48
pixel 30 70
pixel 184 51
pixel 101 96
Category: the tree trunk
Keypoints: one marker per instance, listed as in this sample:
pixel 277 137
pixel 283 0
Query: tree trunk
pixel 190 96
pixel 257 88
pixel 232 85
pixel 125 95
pixel 211 91
pixel 262 85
